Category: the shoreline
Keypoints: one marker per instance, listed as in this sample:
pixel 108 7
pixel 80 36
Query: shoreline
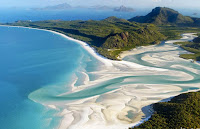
pixel 91 50
pixel 83 44
pixel 132 51
pixel 118 99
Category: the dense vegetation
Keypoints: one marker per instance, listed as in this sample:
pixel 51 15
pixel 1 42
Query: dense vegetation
pixel 112 35
pixel 174 32
pixel 109 36
pixel 164 16
pixel 182 111
pixel 193 47
pixel 172 24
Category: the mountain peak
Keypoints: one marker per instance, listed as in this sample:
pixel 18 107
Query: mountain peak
pixel 163 15
pixel 62 6
pixel 164 9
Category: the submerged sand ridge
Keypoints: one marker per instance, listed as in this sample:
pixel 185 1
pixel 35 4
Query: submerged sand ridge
pixel 121 95
pixel 151 74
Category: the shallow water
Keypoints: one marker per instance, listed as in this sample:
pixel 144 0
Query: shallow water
pixel 39 68
pixel 31 59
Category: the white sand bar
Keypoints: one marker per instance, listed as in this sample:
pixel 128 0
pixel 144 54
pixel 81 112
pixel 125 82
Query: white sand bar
pixel 126 106
pixel 158 72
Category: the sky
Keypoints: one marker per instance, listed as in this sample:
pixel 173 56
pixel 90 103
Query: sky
pixel 130 3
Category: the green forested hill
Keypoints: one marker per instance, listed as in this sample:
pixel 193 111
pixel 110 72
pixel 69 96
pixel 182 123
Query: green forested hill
pixel 182 111
pixel 109 36
pixel 164 16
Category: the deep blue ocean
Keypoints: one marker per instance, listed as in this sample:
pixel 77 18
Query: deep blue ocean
pixel 15 14
pixel 12 15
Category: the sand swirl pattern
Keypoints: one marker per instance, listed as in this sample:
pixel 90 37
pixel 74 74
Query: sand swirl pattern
pixel 53 81
pixel 123 91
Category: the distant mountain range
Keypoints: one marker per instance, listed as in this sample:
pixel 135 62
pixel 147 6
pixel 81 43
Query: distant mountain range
pixel 124 9
pixel 63 6
pixel 118 9
pixel 163 16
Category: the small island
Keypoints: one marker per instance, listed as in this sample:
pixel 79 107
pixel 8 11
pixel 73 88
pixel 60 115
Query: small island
pixel 124 9
pixel 63 6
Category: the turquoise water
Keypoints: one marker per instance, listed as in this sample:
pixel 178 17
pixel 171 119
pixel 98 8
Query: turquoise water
pixel 32 59
pixel 38 66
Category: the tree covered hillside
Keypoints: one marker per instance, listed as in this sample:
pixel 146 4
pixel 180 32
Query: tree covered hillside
pixel 193 47
pixel 109 36
pixel 182 111
pixel 164 16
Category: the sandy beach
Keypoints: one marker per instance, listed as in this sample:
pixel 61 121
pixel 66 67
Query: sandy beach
pixel 130 103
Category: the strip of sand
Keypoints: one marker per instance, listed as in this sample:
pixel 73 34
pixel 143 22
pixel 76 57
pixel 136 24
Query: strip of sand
pixel 129 103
